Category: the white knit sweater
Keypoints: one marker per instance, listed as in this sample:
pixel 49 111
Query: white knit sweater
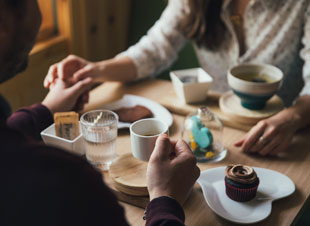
pixel 276 32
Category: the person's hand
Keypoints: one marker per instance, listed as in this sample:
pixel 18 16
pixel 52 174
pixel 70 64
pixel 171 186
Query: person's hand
pixel 72 69
pixel 270 136
pixel 172 170
pixel 64 96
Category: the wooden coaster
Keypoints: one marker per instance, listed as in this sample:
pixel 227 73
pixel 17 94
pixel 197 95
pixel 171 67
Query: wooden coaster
pixel 129 175
pixel 230 104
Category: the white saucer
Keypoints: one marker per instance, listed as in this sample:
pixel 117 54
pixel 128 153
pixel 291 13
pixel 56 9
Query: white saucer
pixel 273 185
pixel 158 110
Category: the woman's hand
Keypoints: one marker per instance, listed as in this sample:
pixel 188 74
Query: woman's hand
pixel 172 170
pixel 72 69
pixel 65 96
pixel 271 136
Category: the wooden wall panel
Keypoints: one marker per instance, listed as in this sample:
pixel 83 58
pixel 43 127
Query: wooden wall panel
pixel 104 29
pixel 47 28
pixel 97 29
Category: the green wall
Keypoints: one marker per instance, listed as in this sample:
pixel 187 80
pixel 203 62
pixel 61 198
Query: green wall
pixel 143 15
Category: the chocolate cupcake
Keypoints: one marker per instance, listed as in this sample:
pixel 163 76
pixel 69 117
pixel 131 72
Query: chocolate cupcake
pixel 241 183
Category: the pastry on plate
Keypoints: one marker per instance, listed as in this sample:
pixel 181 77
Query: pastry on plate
pixel 132 114
pixel 241 182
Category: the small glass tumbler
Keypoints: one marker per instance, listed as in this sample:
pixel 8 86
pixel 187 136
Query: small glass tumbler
pixel 99 129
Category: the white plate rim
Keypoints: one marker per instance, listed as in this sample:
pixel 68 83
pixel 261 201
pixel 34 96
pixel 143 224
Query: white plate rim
pixel 155 107
pixel 259 171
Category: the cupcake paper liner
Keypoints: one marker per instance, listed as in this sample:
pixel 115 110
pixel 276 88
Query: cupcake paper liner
pixel 241 194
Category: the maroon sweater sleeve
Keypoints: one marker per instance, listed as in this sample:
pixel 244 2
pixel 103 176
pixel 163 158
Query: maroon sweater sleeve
pixel 164 211
pixel 31 120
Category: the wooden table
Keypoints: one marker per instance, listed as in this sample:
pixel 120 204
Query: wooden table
pixel 295 163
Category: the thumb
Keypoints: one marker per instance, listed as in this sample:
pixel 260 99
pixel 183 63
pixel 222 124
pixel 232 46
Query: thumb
pixel 162 148
pixel 80 87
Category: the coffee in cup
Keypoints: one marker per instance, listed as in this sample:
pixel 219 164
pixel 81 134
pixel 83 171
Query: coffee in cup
pixel 143 135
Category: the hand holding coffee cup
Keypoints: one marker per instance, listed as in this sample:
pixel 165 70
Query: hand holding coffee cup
pixel 254 84
pixel 172 170
pixel 143 135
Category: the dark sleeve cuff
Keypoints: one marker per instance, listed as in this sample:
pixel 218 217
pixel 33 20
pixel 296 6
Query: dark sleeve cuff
pixel 164 211
pixel 31 120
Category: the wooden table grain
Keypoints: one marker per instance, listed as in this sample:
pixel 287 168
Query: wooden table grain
pixel 295 162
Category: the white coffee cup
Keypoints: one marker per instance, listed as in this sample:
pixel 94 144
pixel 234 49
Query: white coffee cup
pixel 143 135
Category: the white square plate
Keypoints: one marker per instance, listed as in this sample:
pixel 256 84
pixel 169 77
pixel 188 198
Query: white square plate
pixel 191 92
pixel 75 146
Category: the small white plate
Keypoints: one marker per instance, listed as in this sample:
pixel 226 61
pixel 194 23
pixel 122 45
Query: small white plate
pixel 158 110
pixel 273 185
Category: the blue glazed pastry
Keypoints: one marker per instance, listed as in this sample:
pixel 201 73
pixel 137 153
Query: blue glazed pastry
pixel 202 135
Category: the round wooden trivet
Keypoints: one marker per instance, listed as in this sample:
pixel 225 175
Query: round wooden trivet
pixel 230 104
pixel 129 175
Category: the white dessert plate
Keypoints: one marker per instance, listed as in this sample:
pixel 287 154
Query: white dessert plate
pixel 273 185
pixel 158 110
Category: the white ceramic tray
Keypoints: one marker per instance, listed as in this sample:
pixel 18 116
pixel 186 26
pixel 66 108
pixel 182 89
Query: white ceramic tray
pixel 273 185
pixel 158 110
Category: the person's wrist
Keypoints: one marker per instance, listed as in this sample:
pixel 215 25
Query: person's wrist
pixel 155 194
pixel 49 106
pixel 159 193
pixel 304 109
pixel 296 120
pixel 100 69
pixel 300 112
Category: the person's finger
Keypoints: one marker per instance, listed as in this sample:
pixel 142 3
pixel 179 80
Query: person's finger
pixel 264 139
pixel 259 145
pixel 240 142
pixel 269 147
pixel 68 66
pixel 162 148
pixel 51 76
pixel 253 136
pixel 83 73
pixel 85 97
pixel 78 106
pixel 182 147
pixel 183 152
pixel 281 148
pixel 81 87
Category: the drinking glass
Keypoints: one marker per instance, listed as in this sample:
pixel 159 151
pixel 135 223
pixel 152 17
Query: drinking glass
pixel 99 129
